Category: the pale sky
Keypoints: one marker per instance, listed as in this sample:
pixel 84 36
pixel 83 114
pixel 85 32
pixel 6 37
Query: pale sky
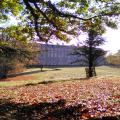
pixel 112 40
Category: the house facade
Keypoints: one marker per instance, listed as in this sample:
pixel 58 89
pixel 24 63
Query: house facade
pixel 56 55
pixel 60 55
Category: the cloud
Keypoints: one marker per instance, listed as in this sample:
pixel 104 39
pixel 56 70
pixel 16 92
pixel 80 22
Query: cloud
pixel 112 40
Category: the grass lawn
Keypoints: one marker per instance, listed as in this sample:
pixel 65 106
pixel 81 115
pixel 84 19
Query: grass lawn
pixel 34 75
pixel 71 98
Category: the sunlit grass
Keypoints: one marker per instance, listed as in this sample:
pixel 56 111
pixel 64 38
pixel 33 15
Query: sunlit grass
pixel 60 74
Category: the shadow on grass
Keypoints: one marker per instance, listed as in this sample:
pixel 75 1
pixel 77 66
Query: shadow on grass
pixel 55 81
pixel 25 73
pixel 29 73
pixel 45 111
pixel 114 66
pixel 43 82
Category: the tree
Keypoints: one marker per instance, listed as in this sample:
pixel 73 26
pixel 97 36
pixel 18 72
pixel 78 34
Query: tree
pixel 93 42
pixel 60 18
pixel 14 49
pixel 90 52
pixel 9 7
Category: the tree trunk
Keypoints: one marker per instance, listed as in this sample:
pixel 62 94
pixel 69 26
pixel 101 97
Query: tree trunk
pixel 90 60
pixel 90 72
pixel 3 76
pixel 3 72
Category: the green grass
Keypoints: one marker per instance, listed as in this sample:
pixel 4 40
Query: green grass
pixel 62 73
pixel 108 71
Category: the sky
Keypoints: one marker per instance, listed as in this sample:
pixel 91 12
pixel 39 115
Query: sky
pixel 112 37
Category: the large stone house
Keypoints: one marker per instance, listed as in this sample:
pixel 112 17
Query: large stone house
pixel 56 55
pixel 60 55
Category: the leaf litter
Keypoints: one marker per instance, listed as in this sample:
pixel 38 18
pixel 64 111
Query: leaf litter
pixel 100 97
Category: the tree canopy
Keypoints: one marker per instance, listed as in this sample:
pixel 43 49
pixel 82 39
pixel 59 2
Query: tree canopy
pixel 89 53
pixel 62 17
